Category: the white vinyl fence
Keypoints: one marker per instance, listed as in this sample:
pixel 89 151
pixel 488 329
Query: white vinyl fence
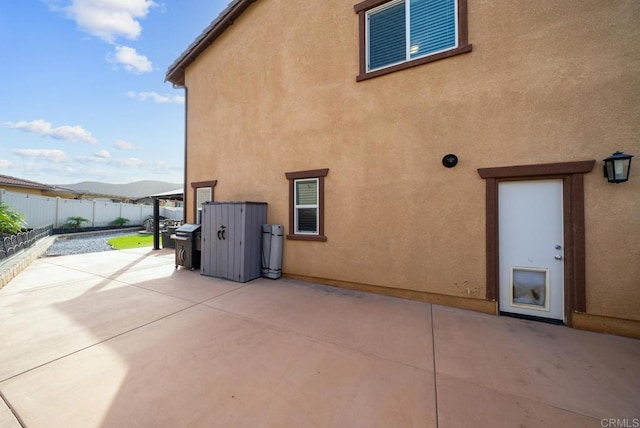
pixel 172 213
pixel 43 210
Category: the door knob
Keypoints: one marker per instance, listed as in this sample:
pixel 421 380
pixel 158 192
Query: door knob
pixel 558 257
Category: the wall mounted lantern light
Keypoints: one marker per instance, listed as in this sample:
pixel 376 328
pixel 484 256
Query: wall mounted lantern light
pixel 617 166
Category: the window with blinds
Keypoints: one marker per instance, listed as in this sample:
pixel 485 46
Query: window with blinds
pixel 403 30
pixel 306 206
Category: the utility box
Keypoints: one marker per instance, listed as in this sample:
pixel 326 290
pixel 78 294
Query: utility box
pixel 232 239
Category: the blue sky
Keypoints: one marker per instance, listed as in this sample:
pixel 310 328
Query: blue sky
pixel 83 96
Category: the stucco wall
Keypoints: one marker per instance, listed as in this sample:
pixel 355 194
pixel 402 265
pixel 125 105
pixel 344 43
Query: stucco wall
pixel 546 82
pixel 21 189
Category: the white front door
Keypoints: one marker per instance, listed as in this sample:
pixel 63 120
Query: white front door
pixel 531 248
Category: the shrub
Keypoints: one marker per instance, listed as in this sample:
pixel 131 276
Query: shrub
pixel 11 222
pixel 120 221
pixel 75 222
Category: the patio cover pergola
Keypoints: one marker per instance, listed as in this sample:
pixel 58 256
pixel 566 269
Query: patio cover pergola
pixel 171 195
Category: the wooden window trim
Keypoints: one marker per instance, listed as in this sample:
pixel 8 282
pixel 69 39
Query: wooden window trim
pixel 319 174
pixel 198 185
pixel 572 175
pixel 463 41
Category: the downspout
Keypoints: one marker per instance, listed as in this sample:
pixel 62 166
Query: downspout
pixel 184 189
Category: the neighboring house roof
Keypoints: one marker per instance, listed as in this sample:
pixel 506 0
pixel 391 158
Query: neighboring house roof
pixel 175 73
pixel 20 182
pixel 171 194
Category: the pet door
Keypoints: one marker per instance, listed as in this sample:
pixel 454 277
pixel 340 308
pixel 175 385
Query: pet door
pixel 529 288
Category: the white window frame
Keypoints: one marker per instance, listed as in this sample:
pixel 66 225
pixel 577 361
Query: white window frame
pixel 315 206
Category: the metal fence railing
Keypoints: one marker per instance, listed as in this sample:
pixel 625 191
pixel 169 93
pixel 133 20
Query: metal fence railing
pixel 11 244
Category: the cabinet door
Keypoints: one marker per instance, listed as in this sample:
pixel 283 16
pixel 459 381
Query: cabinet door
pixel 208 241
pixel 234 241
pixel 221 235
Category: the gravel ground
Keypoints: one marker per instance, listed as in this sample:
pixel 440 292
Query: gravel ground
pixel 66 245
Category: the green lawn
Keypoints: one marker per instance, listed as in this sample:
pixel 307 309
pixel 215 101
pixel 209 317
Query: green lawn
pixel 131 241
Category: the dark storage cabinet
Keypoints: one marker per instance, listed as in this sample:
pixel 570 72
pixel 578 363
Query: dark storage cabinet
pixel 232 239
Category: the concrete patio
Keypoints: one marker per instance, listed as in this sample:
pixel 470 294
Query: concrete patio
pixel 121 339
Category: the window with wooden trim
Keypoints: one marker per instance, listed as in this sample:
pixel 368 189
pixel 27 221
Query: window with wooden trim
pixel 399 34
pixel 202 192
pixel 306 204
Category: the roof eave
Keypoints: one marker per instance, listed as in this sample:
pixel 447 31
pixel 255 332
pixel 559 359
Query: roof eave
pixel 175 73
pixel 7 180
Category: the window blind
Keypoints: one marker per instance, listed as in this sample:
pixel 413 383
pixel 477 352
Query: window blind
pixel 203 194
pixel 432 26
pixel 387 36
pixel 308 220
pixel 307 192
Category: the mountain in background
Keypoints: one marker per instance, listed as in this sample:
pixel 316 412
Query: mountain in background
pixel 137 189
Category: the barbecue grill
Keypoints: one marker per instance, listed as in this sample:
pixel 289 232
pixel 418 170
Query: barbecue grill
pixel 187 241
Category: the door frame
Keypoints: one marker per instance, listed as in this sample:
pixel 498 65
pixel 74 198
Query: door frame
pixel 572 176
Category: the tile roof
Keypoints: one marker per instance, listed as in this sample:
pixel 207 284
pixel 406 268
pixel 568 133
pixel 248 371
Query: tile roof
pixel 19 182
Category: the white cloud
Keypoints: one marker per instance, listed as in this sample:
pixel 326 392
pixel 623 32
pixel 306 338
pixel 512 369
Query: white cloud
pixel 102 154
pixel 107 160
pixel 52 155
pixel 156 97
pixel 32 169
pixel 129 162
pixel 90 159
pixel 106 19
pixel 45 129
pixel 165 168
pixel 130 60
pixel 122 145
pixel 5 163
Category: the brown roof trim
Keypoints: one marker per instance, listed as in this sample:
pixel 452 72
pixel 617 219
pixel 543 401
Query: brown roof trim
pixel 175 73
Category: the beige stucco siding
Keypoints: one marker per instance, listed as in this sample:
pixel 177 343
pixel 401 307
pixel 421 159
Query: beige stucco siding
pixel 21 189
pixel 546 82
